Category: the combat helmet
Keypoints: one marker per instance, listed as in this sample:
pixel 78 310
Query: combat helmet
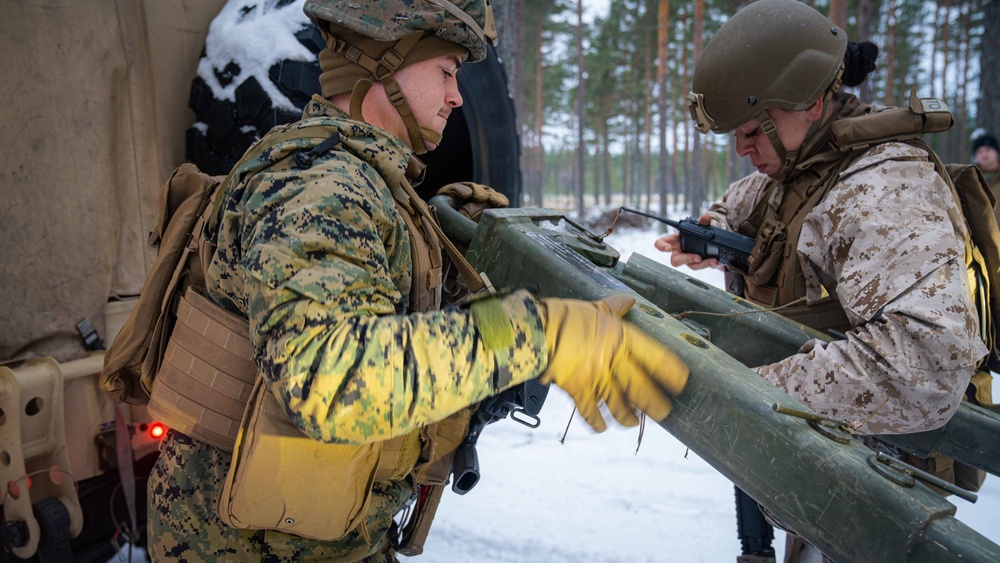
pixel 369 40
pixel 771 54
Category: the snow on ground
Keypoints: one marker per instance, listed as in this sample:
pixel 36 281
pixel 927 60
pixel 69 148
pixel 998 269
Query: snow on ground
pixel 596 499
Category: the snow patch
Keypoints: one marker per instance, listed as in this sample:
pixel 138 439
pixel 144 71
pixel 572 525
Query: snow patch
pixel 242 34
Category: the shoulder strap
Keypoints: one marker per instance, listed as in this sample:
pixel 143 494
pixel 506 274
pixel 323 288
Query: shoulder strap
pixel 428 272
pixel 469 274
pixel 776 222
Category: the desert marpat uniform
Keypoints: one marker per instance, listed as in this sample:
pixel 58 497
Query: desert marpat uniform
pixel 319 260
pixel 887 241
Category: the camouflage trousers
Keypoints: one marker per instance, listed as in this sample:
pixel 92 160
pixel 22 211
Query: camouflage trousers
pixel 184 524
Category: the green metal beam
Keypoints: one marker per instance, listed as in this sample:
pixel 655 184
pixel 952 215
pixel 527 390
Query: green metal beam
pixel 813 477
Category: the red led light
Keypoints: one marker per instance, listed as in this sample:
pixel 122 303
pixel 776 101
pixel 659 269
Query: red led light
pixel 157 430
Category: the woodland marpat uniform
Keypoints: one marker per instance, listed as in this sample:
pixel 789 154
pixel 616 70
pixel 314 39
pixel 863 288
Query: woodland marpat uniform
pixel 310 316
pixel 319 260
pixel 887 241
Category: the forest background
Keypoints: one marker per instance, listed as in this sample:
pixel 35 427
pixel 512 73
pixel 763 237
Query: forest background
pixel 625 135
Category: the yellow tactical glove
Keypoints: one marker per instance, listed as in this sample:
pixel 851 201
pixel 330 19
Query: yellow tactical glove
pixel 595 356
pixel 474 198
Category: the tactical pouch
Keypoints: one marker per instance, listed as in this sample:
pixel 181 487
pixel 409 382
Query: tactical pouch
pixel 281 479
pixel 207 372
pixel 425 293
pixel 981 389
pixel 927 115
pixel 134 357
pixel 767 252
pixel 440 442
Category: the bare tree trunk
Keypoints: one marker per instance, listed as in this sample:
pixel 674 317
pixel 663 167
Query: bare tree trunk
pixel 599 159
pixel 988 105
pixel 662 41
pixel 539 119
pixel 606 176
pixel 838 13
pixel 580 112
pixel 699 186
pixel 678 118
pixel 892 18
pixel 945 26
pixel 962 142
pixel 639 162
pixel 627 170
pixel 935 38
pixel 864 34
pixel 606 173
pixel 647 153
pixel 685 79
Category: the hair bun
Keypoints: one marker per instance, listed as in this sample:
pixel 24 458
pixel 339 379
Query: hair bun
pixel 859 62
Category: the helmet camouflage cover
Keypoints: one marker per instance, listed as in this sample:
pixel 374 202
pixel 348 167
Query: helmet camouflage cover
pixel 468 23
pixel 771 54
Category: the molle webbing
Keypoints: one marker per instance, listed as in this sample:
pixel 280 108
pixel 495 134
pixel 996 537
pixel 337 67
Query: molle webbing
pixel 207 373
pixel 783 223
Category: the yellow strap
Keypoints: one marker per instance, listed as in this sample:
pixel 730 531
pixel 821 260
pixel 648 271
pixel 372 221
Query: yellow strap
pixel 493 323
pixel 387 460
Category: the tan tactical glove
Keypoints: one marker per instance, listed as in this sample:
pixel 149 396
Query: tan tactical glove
pixel 474 198
pixel 595 356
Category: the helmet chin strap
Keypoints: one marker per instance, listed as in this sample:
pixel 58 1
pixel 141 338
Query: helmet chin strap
pixel 790 158
pixel 382 70
pixel 417 134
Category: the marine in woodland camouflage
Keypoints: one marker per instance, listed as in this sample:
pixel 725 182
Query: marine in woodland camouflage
pixel 888 241
pixel 318 259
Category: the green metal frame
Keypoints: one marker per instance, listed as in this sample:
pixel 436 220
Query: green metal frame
pixel 826 488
